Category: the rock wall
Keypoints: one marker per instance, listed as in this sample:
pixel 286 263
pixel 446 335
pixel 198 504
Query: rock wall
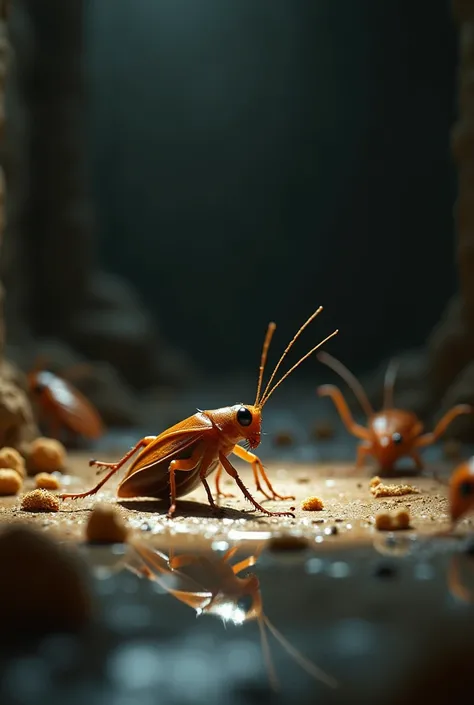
pixel 17 425
pixel 60 304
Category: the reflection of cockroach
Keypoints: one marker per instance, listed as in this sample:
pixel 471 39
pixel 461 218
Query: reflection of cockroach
pixel 175 462
pixel 210 584
pixel 63 406
pixel 391 433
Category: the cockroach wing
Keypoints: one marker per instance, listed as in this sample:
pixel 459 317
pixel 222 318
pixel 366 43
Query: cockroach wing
pixel 71 407
pixel 148 474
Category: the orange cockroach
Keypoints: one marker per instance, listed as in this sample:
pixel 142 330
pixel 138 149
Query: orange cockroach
pixel 461 490
pixel 175 462
pixel 63 406
pixel 391 433
pixel 210 584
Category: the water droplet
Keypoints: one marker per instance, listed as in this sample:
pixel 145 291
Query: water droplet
pixel 339 569
pixel 314 565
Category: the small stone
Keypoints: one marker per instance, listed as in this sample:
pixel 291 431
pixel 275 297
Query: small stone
pixel 45 481
pixel 12 460
pixel 46 455
pixel 10 482
pixel 105 525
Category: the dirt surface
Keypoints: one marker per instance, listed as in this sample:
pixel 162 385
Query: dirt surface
pixel 349 507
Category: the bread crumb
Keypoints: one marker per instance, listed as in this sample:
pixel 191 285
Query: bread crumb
pixel 381 490
pixel 40 501
pixel 312 504
pixel 105 525
pixel 402 519
pixel 388 522
pixel 12 460
pixel 10 482
pixel 45 481
pixel 46 455
pixel 375 481
pixel 383 522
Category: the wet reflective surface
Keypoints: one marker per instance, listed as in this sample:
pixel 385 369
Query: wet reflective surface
pixel 176 624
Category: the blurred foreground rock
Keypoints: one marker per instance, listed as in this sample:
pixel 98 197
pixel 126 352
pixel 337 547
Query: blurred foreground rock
pixel 44 587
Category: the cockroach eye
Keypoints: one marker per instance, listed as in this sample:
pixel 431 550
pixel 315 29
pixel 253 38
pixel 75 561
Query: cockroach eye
pixel 465 489
pixel 245 603
pixel 244 417
pixel 397 438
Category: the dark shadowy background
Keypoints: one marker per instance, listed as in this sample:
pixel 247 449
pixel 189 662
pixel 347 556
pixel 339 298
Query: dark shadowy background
pixel 252 160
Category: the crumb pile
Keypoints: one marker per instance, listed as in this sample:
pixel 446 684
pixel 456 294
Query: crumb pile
pixel 378 489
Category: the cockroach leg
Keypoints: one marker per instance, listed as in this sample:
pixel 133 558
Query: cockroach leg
pixel 183 465
pixel 428 438
pixel 363 451
pixel 225 495
pixel 257 468
pixel 243 565
pixel 415 456
pixel 114 467
pixel 229 468
pixel 328 390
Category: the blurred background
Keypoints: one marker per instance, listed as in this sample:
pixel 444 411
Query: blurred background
pixel 180 175
pixel 252 161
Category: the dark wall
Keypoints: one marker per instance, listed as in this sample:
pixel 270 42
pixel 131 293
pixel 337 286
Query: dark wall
pixel 253 160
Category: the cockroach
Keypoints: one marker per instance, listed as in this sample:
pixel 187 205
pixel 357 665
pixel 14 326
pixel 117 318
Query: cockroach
pixel 461 490
pixel 63 406
pixel 175 462
pixel 391 433
pixel 211 585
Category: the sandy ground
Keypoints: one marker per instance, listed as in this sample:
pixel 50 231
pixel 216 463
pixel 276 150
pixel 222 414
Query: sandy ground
pixel 348 515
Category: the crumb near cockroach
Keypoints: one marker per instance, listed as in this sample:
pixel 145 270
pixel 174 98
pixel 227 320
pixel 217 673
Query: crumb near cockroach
pixel 381 490
pixel 40 501
pixel 45 481
pixel 375 481
pixel 105 525
pixel 11 482
pixel 390 522
pixel 302 480
pixel 402 519
pixel 383 522
pixel 46 455
pixel 312 504
pixel 10 459
pixel 283 439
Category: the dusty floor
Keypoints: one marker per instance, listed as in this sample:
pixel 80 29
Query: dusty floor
pixel 348 503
